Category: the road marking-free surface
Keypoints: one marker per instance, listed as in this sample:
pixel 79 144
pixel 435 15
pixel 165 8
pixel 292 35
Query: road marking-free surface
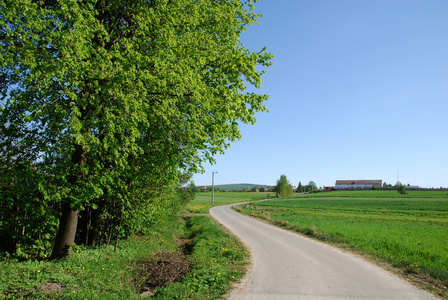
pixel 290 266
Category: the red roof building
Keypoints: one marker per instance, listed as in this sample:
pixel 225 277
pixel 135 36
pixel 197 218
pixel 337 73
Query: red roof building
pixel 358 184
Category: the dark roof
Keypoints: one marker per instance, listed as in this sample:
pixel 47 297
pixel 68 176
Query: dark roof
pixel 346 182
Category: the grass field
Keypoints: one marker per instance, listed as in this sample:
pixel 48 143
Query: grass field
pixel 216 258
pixel 202 202
pixel 217 261
pixel 407 232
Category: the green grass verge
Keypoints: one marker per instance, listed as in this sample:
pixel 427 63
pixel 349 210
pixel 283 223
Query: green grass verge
pixel 218 259
pixel 408 232
pixel 202 201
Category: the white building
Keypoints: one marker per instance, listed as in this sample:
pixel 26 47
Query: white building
pixel 357 184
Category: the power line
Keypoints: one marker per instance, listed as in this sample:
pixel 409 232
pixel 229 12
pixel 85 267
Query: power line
pixel 227 181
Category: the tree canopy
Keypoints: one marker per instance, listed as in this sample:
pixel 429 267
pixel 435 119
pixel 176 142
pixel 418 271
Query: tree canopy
pixel 311 186
pixel 300 187
pixel 283 188
pixel 106 103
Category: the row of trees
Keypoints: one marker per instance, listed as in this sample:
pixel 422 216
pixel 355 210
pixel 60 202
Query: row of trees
pixel 310 187
pixel 107 106
pixel 283 188
pixel 246 189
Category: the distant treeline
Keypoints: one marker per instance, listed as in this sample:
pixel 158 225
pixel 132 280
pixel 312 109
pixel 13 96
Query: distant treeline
pixel 239 187
pixel 389 188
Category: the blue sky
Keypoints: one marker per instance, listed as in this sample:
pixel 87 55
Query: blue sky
pixel 357 89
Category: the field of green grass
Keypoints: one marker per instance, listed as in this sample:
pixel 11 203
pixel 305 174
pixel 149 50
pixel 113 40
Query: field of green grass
pixel 216 260
pixel 202 202
pixel 407 232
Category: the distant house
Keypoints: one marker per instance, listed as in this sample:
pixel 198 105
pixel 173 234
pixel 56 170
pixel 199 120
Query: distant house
pixel 411 187
pixel 357 184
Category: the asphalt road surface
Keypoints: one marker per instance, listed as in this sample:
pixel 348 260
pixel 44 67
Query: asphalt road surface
pixel 289 266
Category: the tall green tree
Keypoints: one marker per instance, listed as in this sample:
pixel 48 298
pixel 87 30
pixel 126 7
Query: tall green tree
pixel 283 188
pixel 109 101
pixel 311 186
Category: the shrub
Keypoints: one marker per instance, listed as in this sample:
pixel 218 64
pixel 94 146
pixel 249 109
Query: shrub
pixel 402 190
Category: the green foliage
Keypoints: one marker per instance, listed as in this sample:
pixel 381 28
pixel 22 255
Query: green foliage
pixel 105 108
pixel 401 190
pixel 90 273
pixel 369 194
pixel 186 194
pixel 408 232
pixel 238 186
pixel 27 218
pixel 218 259
pixel 283 188
pixel 311 187
pixel 300 187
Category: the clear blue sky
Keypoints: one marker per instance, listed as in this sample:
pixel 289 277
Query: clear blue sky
pixel 357 88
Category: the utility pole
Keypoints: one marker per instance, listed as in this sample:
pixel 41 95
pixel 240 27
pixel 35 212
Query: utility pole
pixel 213 188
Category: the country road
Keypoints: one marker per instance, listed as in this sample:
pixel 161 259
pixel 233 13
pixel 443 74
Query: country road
pixel 289 266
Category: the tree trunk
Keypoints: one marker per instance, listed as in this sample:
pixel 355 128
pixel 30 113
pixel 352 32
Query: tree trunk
pixel 69 218
pixel 110 234
pixel 83 227
pixel 66 233
pixel 119 228
pixel 95 225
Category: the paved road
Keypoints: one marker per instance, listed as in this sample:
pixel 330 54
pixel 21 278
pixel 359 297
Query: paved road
pixel 290 266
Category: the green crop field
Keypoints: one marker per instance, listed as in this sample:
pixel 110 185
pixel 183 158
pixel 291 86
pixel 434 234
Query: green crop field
pixel 408 232
pixel 202 201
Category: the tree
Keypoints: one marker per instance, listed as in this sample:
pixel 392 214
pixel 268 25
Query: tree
pixel 401 189
pixel 283 188
pixel 300 187
pixel 312 186
pixel 186 190
pixel 387 185
pixel 108 102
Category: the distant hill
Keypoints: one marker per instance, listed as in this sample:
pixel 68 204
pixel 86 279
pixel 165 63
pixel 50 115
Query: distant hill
pixel 237 186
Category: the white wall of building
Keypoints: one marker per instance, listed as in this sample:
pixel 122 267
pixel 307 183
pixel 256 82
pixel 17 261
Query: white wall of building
pixel 354 186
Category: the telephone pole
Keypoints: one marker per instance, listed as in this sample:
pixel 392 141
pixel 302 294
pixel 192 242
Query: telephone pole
pixel 213 188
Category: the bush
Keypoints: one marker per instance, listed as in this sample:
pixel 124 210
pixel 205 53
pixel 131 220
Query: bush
pixel 402 190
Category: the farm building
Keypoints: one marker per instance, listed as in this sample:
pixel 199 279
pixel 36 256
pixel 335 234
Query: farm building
pixel 357 184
